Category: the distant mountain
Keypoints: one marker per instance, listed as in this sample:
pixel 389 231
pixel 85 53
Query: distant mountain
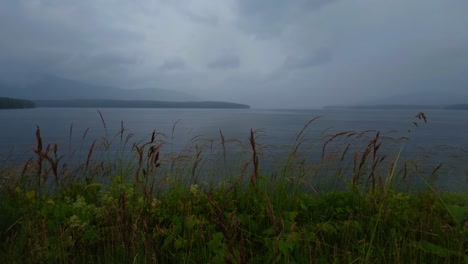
pixel 49 87
pixel 136 104
pixel 416 101
pixel 389 107
pixel 420 98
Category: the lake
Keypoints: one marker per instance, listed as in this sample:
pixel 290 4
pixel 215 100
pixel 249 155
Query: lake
pixel 444 137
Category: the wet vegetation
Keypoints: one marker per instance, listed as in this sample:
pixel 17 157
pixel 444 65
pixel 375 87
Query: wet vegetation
pixel 214 202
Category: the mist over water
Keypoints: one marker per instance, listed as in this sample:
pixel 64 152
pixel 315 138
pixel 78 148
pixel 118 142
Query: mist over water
pixel 441 140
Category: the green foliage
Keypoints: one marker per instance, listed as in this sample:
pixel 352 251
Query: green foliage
pixel 238 224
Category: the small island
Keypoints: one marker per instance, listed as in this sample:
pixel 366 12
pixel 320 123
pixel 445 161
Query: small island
pixel 399 107
pixel 95 103
pixel 13 103
pixel 457 107
pixel 385 107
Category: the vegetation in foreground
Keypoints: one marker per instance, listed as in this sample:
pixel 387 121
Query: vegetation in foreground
pixel 158 207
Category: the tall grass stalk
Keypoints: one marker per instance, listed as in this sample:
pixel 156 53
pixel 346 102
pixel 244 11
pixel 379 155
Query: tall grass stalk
pixel 386 189
pixel 215 202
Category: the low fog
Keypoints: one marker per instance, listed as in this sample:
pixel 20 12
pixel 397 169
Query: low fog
pixel 265 53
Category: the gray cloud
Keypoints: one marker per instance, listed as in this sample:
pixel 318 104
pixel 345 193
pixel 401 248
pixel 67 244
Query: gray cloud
pixel 172 64
pixel 225 62
pixel 268 18
pixel 315 59
pixel 268 53
pixel 113 59
pixel 208 20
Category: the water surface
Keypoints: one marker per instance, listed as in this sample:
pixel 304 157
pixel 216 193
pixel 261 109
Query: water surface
pixel 67 126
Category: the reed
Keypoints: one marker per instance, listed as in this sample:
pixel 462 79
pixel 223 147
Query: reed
pixel 150 204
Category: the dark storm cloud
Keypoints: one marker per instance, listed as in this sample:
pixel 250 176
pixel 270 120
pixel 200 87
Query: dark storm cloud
pixel 61 24
pixel 315 59
pixel 62 37
pixel 224 63
pixel 270 53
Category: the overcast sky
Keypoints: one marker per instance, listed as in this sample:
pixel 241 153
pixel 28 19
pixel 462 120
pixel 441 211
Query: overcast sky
pixel 266 53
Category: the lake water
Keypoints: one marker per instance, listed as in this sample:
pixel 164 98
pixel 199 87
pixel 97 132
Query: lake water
pixel 445 136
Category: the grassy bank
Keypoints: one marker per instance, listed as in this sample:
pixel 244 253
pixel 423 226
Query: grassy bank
pixel 187 207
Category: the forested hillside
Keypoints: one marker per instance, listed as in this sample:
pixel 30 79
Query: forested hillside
pixel 12 103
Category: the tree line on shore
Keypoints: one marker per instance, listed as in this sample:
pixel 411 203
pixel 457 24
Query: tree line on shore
pixel 12 103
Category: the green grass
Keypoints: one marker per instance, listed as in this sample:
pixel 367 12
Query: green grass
pixel 161 207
